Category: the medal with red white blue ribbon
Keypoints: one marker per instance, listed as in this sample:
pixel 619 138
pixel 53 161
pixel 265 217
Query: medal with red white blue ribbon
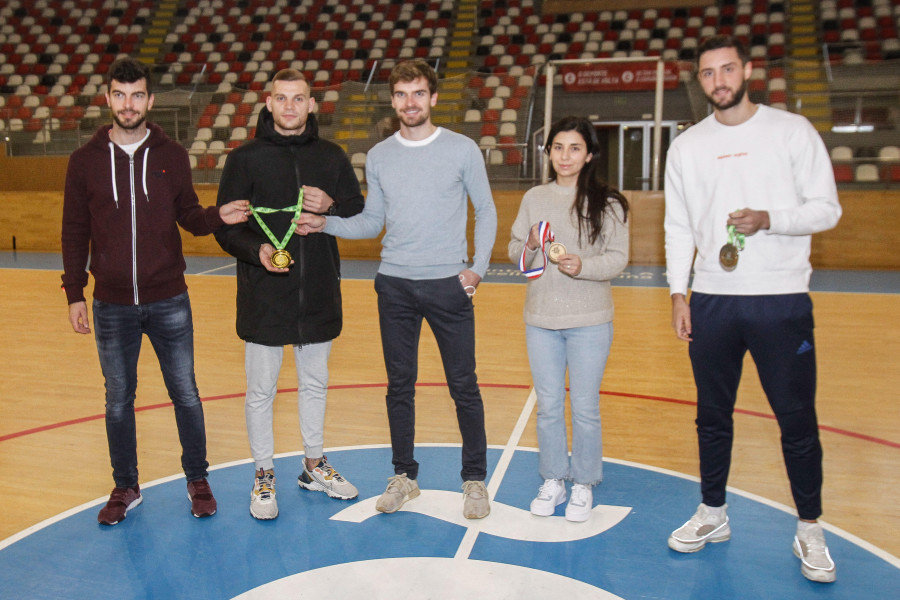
pixel 545 235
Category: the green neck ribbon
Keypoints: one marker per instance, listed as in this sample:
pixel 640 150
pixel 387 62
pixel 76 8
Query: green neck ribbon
pixel 734 238
pixel 263 210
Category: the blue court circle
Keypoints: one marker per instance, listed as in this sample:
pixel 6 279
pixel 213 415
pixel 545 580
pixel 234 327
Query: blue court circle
pixel 161 551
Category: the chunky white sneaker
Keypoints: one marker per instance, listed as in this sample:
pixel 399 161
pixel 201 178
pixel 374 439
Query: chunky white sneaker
pixel 477 504
pixel 810 548
pixel 262 498
pixel 580 503
pixel 550 495
pixel 707 525
pixel 323 478
pixel 400 489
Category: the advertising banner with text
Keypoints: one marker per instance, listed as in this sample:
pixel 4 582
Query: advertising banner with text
pixel 617 77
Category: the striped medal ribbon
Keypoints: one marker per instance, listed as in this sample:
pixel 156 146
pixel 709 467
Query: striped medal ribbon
pixel 546 236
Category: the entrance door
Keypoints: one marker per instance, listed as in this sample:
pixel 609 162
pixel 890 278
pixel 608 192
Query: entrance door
pixel 629 152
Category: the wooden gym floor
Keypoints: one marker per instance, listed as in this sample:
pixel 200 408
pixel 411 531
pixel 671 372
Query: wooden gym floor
pixel 53 453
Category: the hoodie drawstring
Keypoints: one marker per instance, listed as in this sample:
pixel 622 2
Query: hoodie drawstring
pixel 112 164
pixel 144 178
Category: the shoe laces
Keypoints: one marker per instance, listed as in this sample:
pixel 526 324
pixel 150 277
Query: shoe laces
pixel 816 548
pixel 118 495
pixel 328 470
pixel 704 516
pixel 579 496
pixel 201 489
pixel 474 489
pixel 265 485
pixel 545 492
pixel 397 484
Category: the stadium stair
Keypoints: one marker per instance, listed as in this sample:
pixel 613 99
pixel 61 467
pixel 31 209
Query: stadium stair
pixel 451 107
pixel 162 22
pixel 805 66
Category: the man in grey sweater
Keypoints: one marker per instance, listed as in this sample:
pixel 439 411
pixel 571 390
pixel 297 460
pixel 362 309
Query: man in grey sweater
pixel 419 180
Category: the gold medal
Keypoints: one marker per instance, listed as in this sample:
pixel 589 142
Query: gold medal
pixel 281 259
pixel 555 251
pixel 728 257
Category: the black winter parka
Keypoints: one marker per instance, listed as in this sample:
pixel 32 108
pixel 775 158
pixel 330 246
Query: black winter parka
pixel 302 306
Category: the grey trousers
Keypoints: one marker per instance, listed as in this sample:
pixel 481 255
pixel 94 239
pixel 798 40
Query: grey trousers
pixel 263 364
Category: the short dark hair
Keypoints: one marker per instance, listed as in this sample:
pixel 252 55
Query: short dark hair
pixel 724 41
pixel 129 70
pixel 410 70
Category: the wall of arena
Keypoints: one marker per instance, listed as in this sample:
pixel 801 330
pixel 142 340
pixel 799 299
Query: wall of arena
pixel 31 196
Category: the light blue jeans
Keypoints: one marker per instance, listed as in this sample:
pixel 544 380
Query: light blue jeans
pixel 263 364
pixel 584 351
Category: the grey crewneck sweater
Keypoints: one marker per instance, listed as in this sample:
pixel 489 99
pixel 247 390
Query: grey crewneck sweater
pixel 417 191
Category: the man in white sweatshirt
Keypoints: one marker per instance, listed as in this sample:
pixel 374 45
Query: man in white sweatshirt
pixel 745 189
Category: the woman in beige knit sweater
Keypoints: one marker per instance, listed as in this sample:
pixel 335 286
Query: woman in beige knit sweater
pixel 578 223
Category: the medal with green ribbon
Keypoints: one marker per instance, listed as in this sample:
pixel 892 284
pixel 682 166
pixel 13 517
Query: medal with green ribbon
pixel 728 255
pixel 281 258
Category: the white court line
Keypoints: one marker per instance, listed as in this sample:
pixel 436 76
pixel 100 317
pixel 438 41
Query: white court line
pixel 211 271
pixel 468 541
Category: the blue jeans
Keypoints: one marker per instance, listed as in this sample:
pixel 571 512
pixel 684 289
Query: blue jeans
pixel 119 330
pixel 584 351
pixel 402 304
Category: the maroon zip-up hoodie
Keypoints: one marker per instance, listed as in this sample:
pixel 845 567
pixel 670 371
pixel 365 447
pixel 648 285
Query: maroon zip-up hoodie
pixel 124 212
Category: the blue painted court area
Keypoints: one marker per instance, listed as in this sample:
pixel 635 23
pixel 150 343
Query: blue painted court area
pixel 320 547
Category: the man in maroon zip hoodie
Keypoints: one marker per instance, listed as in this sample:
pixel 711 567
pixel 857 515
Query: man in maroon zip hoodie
pixel 127 190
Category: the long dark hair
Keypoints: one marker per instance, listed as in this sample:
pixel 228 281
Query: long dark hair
pixel 592 193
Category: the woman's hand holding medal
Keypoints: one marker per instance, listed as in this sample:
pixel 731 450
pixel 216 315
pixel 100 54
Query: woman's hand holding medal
pixel 570 264
pixel 556 253
pixel 534 237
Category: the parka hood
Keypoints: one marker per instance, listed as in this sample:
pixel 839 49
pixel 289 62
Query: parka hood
pixel 265 130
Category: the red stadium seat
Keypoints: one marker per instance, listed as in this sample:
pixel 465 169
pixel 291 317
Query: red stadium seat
pixel 843 173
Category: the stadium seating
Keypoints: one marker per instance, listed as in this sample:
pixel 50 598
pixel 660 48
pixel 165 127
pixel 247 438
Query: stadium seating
pixel 54 55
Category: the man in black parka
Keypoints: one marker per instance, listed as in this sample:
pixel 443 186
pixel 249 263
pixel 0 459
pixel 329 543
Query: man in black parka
pixel 286 163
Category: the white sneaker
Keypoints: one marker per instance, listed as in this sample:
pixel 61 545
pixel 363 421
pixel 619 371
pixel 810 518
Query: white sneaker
pixel 550 495
pixel 324 478
pixel 400 489
pixel 707 525
pixel 262 498
pixel 810 548
pixel 580 503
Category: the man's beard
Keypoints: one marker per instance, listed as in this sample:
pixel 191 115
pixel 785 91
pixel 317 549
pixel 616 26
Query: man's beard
pixel 420 120
pixel 735 99
pixel 131 127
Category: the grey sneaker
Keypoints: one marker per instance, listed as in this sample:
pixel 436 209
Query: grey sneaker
pixel 810 548
pixel 477 503
pixel 323 478
pixel 707 525
pixel 262 498
pixel 400 489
